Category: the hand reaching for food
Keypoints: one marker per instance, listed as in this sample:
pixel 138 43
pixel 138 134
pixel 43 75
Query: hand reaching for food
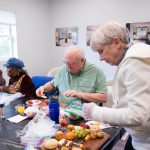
pixel 40 91
pixel 87 110
pixel 72 93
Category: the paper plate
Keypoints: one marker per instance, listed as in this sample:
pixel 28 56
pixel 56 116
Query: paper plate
pixel 33 102
pixel 92 123
pixel 101 124
pixel 31 109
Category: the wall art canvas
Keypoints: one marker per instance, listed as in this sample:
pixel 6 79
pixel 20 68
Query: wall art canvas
pixel 66 36
pixel 139 32
pixel 90 30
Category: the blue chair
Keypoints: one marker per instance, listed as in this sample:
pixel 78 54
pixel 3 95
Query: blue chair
pixel 41 80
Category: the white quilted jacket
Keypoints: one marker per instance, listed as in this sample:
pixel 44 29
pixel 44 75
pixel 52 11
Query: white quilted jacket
pixel 131 96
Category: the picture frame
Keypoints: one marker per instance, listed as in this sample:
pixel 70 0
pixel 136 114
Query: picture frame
pixel 66 36
pixel 90 30
pixel 139 32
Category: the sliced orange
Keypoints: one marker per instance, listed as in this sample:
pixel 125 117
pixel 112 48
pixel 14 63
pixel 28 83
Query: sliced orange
pixel 70 135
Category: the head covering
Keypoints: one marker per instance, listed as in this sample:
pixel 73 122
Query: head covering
pixel 14 62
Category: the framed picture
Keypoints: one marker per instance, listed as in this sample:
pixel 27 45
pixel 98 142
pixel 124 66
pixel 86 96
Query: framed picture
pixel 139 32
pixel 90 30
pixel 66 36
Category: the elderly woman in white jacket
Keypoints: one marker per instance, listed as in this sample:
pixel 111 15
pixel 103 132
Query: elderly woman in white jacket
pixel 131 86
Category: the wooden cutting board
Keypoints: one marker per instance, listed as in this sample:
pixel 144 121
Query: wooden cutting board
pixel 94 144
pixel 97 143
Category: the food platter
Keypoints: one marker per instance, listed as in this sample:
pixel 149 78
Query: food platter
pixel 33 102
pixel 77 138
pixel 93 144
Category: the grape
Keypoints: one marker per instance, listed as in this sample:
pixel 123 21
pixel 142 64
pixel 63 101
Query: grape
pixel 81 132
pixel 79 135
pixel 75 134
pixel 74 131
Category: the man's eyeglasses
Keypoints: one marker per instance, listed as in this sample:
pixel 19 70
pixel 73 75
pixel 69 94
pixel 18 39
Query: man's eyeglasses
pixel 69 64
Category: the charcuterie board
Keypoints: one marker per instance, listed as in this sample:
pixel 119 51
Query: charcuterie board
pixel 94 144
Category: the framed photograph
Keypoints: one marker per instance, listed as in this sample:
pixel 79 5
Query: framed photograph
pixel 139 32
pixel 66 36
pixel 90 30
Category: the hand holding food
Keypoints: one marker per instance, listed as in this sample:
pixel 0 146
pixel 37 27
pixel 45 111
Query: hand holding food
pixel 87 110
pixel 40 91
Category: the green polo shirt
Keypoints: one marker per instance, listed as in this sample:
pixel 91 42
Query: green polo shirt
pixel 90 79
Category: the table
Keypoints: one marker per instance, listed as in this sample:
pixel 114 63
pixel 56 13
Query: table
pixel 8 130
pixel 115 135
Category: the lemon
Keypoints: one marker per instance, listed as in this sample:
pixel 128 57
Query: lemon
pixel 20 109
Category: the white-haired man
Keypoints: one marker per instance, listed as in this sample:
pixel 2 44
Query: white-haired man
pixel 78 80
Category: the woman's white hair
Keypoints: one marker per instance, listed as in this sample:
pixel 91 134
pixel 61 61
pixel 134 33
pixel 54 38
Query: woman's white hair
pixel 106 32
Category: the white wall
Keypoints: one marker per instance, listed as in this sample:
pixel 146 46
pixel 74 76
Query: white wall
pixel 67 13
pixel 37 20
pixel 33 33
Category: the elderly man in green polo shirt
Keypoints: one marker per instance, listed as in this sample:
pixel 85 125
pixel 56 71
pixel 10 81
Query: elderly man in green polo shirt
pixel 77 80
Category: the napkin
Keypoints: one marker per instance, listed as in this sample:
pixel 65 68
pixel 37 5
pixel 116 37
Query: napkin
pixel 7 98
pixel 17 118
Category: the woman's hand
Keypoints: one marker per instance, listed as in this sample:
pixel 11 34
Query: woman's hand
pixel 87 110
